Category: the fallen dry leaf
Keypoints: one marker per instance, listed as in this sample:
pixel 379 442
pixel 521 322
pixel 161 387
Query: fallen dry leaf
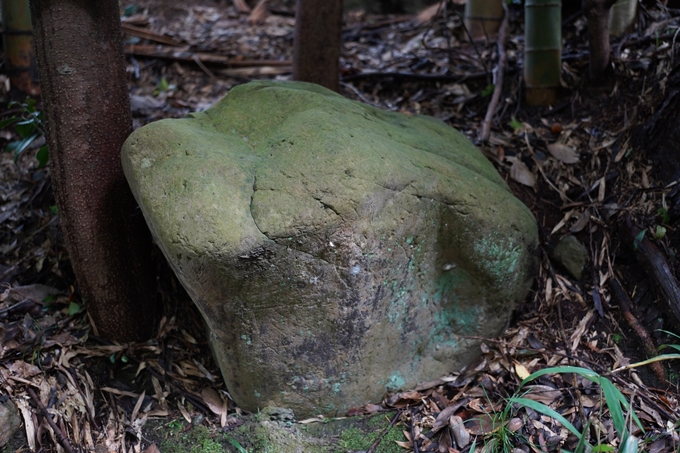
pixel 563 153
pixel 521 173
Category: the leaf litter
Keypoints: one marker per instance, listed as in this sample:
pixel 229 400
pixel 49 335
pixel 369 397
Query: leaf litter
pixel 573 166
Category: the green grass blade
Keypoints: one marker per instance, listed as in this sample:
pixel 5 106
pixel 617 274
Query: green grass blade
pixel 234 443
pixel 545 410
pixel 585 372
pixel 613 401
pixel 581 446
pixel 630 445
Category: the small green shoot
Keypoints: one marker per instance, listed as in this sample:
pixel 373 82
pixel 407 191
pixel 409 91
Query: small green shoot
pixel 163 86
pixel 663 213
pixel 515 124
pixel 488 90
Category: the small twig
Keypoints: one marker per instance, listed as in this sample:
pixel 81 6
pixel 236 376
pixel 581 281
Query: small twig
pixel 189 396
pixel 57 432
pixel 376 442
pixel 413 432
pixel 624 302
pixel 203 67
pixel 498 88
pixel 352 88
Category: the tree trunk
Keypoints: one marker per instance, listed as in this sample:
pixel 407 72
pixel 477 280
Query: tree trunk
pixel 87 110
pixel 316 47
pixel 597 14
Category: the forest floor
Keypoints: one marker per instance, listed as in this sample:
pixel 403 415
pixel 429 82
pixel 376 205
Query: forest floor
pixel 574 164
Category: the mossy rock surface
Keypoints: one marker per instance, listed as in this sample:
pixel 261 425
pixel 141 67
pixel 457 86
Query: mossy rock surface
pixel 335 250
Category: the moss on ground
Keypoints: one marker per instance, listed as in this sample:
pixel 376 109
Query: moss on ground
pixel 261 435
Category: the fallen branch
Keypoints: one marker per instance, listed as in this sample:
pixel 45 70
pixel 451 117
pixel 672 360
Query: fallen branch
pixel 655 264
pixel 500 68
pixel 184 54
pixel 414 76
pixel 147 34
pixel 57 432
pixel 647 343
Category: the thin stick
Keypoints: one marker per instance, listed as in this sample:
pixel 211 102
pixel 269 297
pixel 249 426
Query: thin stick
pixel 57 432
pixel 498 89
pixel 647 343
pixel 376 442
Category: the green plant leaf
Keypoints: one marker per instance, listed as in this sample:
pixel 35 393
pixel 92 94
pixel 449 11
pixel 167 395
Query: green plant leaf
pixel 659 232
pixel 234 443
pixel 43 156
pixel 19 146
pixel 638 239
pixel 614 405
pixel 602 448
pixel 581 446
pixel 488 90
pixel 25 128
pixel 54 209
pixel 9 122
pixel 663 213
pixel 545 410
pixel 163 85
pixel 515 124
pixel 73 308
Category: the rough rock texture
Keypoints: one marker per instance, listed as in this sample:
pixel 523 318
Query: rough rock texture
pixel 572 255
pixel 335 250
pixel 9 421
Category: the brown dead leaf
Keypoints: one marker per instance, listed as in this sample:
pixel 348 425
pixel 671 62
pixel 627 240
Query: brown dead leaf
pixel 481 425
pixel 151 449
pixel 241 6
pixel 543 394
pixel 521 173
pixel 521 371
pixel 213 400
pixel 37 293
pixel 404 399
pixel 259 13
pixel 563 153
pixel 428 13
pixel 23 369
pixel 460 434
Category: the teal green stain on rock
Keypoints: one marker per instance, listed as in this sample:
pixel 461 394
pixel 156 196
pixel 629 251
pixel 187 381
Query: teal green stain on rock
pixel 502 257
pixel 395 382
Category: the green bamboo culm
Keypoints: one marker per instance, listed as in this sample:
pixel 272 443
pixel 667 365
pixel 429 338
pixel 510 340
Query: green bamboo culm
pixel 622 16
pixel 17 34
pixel 543 50
pixel 483 17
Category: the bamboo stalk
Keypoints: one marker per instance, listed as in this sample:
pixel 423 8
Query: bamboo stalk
pixel 543 50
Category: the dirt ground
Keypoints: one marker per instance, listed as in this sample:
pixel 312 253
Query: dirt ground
pixel 577 164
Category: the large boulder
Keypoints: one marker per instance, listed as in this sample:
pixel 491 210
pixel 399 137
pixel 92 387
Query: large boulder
pixel 335 250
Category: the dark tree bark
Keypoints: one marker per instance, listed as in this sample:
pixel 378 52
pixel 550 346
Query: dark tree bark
pixel 87 109
pixel 316 47
pixel 597 14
